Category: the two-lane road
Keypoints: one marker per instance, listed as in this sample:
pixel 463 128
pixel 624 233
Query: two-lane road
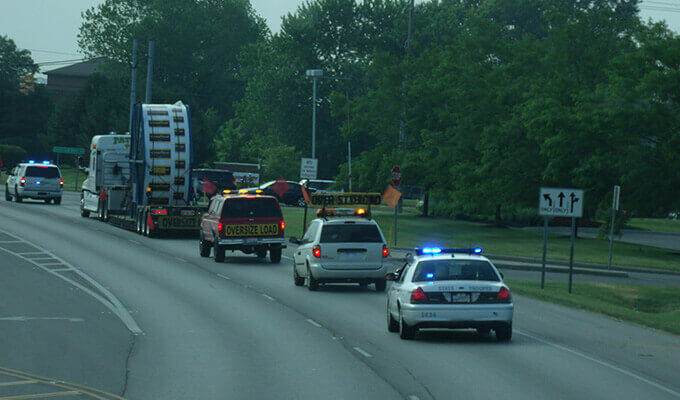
pixel 240 329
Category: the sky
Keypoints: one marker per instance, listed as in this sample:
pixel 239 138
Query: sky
pixel 49 28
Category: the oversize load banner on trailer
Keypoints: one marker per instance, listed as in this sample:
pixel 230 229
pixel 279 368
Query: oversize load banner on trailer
pixel 251 230
pixel 179 222
pixel 340 199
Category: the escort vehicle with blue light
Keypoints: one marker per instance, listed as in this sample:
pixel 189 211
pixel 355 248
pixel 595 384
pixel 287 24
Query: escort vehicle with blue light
pixel 449 289
pixel 343 245
pixel 35 180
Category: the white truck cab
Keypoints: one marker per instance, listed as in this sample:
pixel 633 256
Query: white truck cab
pixel 109 166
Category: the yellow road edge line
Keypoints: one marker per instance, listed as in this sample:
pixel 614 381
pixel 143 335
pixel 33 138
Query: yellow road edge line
pixel 86 390
pixel 41 395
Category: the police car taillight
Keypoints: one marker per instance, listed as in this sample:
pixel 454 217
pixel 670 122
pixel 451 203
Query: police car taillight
pixel 316 250
pixel 503 294
pixel 386 251
pixel 61 182
pixel 418 296
pixel 22 181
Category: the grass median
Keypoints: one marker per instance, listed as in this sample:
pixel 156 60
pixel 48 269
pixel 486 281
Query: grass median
pixel 650 306
pixel 415 231
pixel 655 224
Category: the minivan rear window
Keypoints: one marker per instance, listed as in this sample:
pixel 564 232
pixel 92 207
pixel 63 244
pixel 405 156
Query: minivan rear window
pixel 245 208
pixel 350 233
pixel 42 172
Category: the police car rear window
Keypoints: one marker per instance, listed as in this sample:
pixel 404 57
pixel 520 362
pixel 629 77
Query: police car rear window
pixel 350 233
pixel 251 208
pixel 454 270
pixel 42 172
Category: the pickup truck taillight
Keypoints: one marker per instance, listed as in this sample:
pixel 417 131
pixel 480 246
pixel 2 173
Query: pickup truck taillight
pixel 219 227
pixel 283 226
pixel 22 181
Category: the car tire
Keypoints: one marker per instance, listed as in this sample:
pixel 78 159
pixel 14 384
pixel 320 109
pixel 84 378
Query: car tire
pixel 7 196
pixel 57 200
pixel 275 254
pixel 380 285
pixel 218 253
pixel 483 331
pixel 406 332
pixel 297 279
pixel 504 332
pixel 312 284
pixel 392 324
pixel 301 202
pixel 203 246
pixel 261 252
pixel 17 197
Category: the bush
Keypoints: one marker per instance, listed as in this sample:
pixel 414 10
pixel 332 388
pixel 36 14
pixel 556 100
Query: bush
pixel 11 155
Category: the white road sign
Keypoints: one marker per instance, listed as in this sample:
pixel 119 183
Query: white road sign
pixel 561 202
pixel 308 168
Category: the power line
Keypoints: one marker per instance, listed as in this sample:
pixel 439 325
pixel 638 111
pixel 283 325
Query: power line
pixel 54 52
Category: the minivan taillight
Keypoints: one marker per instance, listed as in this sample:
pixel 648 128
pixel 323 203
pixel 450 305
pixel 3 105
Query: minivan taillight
pixel 386 251
pixel 418 296
pixel 503 295
pixel 316 250
pixel 61 182
pixel 22 181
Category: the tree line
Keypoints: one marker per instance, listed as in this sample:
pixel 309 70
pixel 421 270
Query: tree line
pixel 495 98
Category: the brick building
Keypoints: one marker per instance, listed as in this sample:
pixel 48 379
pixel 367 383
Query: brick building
pixel 67 81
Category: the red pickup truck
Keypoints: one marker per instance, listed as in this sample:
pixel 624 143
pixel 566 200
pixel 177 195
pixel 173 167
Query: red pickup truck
pixel 245 222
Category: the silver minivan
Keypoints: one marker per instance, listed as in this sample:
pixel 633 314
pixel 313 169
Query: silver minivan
pixel 340 250
pixel 35 181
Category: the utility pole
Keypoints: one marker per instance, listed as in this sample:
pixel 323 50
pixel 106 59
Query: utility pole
pixel 133 84
pixel 149 72
pixel 407 47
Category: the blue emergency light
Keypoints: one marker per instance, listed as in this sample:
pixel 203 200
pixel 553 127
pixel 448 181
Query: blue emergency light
pixel 46 163
pixel 431 251
pixel 31 161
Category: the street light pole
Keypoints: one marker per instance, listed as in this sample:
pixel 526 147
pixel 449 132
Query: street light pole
pixel 314 74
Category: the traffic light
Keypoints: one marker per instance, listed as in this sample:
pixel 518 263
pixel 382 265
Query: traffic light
pixel 27 84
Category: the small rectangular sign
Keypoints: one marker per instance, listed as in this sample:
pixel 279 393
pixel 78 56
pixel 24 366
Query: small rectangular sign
pixel 251 230
pixel 179 222
pixel 617 194
pixel 345 199
pixel 308 168
pixel 561 202
pixel 68 150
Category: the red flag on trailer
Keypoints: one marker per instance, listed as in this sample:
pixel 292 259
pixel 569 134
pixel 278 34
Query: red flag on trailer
pixel 305 195
pixel 149 221
pixel 208 187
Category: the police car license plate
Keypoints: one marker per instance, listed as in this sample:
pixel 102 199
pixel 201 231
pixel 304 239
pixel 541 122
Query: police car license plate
pixel 178 222
pixel 251 230
pixel 460 298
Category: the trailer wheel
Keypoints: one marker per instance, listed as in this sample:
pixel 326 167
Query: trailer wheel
pixel 138 222
pixel 145 227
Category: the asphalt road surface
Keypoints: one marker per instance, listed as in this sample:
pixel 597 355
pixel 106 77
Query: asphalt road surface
pixel 143 318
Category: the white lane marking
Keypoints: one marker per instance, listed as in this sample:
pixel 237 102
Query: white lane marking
pixel 24 319
pixel 48 264
pixel 268 297
pixel 413 397
pixel 108 299
pixel 10 241
pixel 42 258
pixel 181 259
pixel 311 321
pixel 29 382
pixel 287 258
pixel 62 270
pixel 31 252
pixel 362 352
pixel 133 241
pixel 224 277
pixel 603 363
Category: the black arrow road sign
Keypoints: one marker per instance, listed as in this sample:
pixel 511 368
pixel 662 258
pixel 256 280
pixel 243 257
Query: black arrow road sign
pixel 574 199
pixel 561 196
pixel 548 199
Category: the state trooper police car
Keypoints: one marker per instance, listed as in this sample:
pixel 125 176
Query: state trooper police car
pixel 449 288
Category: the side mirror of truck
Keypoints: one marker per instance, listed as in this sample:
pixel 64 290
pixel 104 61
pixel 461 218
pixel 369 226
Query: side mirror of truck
pixel 392 276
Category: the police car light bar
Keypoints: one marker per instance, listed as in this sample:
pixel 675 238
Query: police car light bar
pixel 46 163
pixel 31 161
pixel 430 251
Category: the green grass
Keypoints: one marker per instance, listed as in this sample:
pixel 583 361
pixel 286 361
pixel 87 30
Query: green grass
pixel 655 224
pixel 414 231
pixel 69 175
pixel 651 306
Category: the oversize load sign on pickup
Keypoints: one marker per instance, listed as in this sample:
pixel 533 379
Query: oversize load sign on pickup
pixel 340 199
pixel 251 230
